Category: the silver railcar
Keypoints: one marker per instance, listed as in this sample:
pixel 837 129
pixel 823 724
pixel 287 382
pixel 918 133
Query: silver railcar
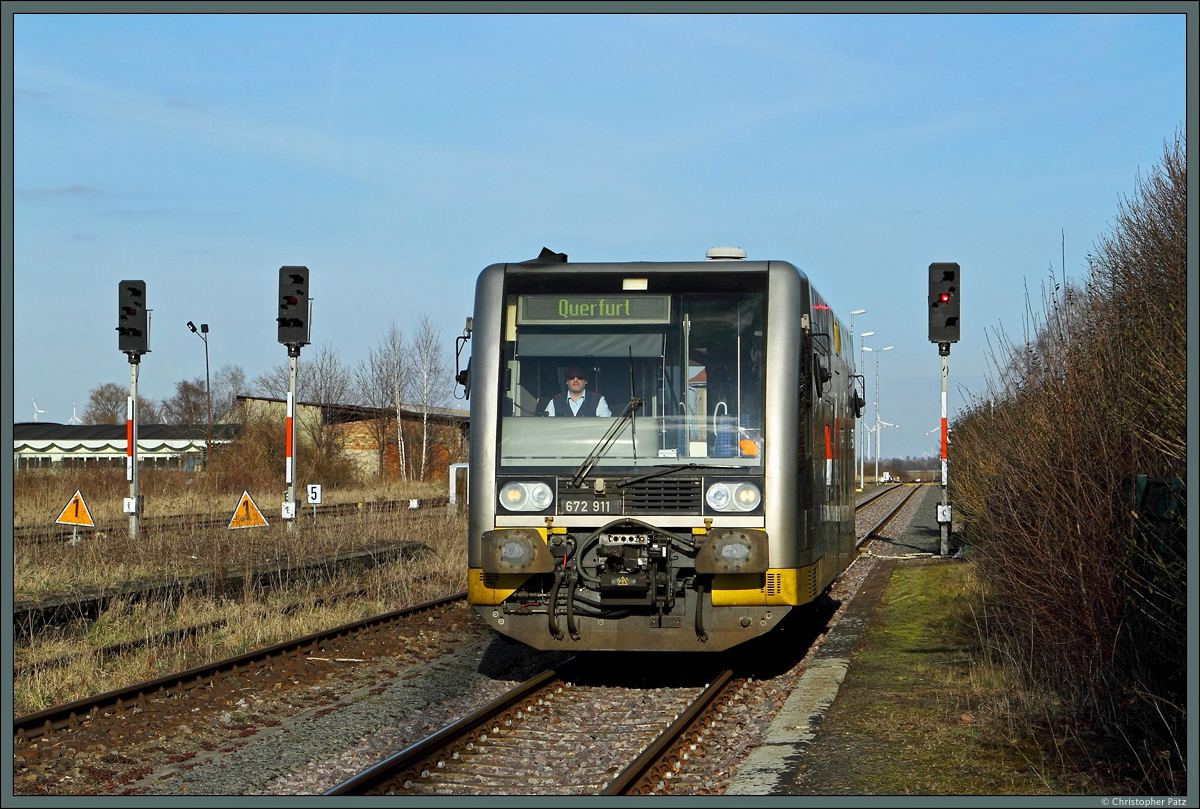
pixel 715 496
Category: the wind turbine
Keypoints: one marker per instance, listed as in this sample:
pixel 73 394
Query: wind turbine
pixel 74 419
pixel 36 411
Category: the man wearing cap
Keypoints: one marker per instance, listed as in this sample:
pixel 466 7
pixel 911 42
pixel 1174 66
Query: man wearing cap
pixel 577 402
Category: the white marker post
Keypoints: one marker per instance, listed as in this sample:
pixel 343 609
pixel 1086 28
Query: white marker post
pixel 312 495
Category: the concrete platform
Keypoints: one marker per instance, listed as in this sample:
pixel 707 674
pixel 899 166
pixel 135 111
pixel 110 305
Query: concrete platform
pixel 770 768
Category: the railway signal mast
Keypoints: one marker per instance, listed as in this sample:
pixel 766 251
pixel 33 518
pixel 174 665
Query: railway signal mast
pixel 294 320
pixel 943 330
pixel 133 337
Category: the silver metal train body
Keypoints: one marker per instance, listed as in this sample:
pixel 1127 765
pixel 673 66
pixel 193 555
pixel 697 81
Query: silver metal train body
pixel 715 497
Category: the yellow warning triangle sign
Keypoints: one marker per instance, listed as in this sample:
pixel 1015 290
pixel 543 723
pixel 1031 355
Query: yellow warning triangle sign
pixel 246 515
pixel 76 512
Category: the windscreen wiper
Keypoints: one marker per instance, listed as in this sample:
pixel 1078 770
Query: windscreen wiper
pixel 668 470
pixel 605 442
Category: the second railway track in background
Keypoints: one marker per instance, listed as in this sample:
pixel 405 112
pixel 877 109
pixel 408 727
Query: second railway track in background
pixel 266 665
pixel 38 534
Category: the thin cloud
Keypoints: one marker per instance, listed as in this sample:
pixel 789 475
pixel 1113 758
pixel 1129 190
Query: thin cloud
pixel 70 191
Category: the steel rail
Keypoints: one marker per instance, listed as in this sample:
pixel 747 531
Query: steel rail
pixel 52 533
pixel 639 777
pixel 887 518
pixel 459 733
pixel 876 495
pixel 46 722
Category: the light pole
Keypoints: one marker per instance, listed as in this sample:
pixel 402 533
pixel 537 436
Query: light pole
pixel 862 461
pixel 877 351
pixel 203 334
pixel 857 424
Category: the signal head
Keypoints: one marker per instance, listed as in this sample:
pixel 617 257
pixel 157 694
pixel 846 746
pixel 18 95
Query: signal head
pixel 133 327
pixel 293 306
pixel 943 302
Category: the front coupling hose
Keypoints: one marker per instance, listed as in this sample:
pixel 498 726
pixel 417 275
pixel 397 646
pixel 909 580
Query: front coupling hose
pixel 571 626
pixel 559 574
pixel 701 632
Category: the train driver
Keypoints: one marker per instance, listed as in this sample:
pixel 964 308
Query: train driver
pixel 578 401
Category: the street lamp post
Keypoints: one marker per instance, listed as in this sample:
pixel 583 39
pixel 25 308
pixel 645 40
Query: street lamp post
pixel 877 351
pixel 862 459
pixel 857 422
pixel 203 334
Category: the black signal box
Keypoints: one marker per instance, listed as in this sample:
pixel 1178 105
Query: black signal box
pixel 133 322
pixel 944 299
pixel 293 306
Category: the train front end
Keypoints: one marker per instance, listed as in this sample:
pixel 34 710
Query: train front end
pixel 644 522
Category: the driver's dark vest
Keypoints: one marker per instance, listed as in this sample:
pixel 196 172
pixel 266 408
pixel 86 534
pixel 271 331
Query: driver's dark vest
pixel 562 407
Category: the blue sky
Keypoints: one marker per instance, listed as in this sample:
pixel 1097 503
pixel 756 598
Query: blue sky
pixel 397 155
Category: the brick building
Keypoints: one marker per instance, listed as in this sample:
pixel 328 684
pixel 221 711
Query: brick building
pixel 368 436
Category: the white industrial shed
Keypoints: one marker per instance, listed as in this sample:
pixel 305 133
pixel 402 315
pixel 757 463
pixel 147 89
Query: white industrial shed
pixel 44 445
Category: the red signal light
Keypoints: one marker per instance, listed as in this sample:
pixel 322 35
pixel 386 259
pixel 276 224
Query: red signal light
pixel 944 297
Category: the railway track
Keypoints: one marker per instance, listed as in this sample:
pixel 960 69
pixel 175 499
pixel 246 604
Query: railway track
pixel 43 534
pixel 516 743
pixel 660 758
pixel 30 617
pixel 260 668
pixel 893 498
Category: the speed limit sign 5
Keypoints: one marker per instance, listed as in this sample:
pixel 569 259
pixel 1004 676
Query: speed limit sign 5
pixel 313 493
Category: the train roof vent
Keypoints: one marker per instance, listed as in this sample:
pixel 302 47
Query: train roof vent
pixel 724 254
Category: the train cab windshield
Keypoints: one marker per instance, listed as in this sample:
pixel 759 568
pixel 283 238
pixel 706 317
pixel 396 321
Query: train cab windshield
pixel 668 377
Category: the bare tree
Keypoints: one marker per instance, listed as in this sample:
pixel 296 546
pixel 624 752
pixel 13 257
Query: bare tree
pixel 326 381
pixel 228 382
pixel 274 383
pixel 321 379
pixel 383 381
pixel 188 405
pixel 431 381
pixel 107 405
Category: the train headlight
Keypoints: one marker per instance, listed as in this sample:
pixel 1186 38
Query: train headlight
pixel 726 496
pixel 718 497
pixel 733 550
pixel 516 551
pixel 523 496
pixel 747 497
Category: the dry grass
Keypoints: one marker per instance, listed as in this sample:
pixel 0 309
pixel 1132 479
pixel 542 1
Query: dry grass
pixel 48 569
pixel 38 498
pixel 248 620
pixel 245 620
pixel 924 712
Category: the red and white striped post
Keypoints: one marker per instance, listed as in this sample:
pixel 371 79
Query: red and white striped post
pixel 289 476
pixel 289 506
pixel 131 434
pixel 944 517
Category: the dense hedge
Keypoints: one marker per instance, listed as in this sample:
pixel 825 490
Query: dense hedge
pixel 1068 473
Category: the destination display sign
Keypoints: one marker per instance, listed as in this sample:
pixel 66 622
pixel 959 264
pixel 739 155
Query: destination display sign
pixel 548 310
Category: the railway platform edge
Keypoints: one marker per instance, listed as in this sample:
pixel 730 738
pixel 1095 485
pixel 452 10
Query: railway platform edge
pixel 770 768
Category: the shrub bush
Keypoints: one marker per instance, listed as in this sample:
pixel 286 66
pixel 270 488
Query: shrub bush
pixel 1084 593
